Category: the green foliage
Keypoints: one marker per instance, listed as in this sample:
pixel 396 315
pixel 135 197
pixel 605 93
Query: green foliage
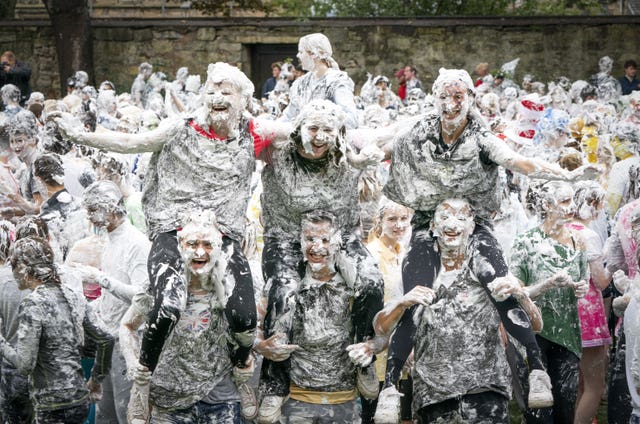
pixel 224 7
pixel 385 8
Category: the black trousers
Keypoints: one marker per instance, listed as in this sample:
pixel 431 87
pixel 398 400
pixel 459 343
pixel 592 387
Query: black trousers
pixel 283 269
pixel 169 291
pixel 421 267
pixel 563 368
pixel 478 408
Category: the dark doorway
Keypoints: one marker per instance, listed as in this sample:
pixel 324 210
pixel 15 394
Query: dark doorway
pixel 263 55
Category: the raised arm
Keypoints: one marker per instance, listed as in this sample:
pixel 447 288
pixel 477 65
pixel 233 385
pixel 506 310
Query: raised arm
pixel 501 154
pixel 114 141
pixel 382 137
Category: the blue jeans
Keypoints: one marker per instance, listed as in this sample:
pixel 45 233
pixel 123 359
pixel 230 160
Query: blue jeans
pixel 200 413
pixel 635 419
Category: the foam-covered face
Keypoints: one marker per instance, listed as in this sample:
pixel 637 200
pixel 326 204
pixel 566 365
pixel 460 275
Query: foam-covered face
pixel 561 208
pixel 22 145
pixel 319 133
pixel 453 224
pixel 320 244
pixel 305 58
pixel 590 208
pixel 199 247
pixel 223 100
pixel 99 215
pixel 395 223
pixel 453 103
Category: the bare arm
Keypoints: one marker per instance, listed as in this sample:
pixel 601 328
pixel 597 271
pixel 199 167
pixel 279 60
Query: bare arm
pixel 382 137
pixel 501 154
pixel 127 332
pixel 114 141
pixel 503 287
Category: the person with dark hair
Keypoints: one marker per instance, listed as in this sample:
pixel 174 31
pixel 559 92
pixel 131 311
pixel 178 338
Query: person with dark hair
pixel 270 83
pixel 16 72
pixel 312 170
pixel 54 322
pixel 411 78
pixel 629 81
pixel 62 212
pixel 15 405
pixel 326 361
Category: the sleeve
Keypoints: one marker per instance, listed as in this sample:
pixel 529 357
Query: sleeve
pixel 25 354
pixel 104 341
pixel 613 252
pixel 497 151
pixel 260 142
pixel 343 97
pixel 22 69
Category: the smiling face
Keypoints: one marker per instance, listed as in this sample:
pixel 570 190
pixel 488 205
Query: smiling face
pixel 319 132
pixel 453 224
pixel 200 247
pixel 23 145
pixel 453 103
pixel 320 244
pixel 395 223
pixel 224 102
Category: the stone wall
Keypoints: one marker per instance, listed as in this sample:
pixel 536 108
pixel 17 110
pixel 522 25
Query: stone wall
pixel 547 47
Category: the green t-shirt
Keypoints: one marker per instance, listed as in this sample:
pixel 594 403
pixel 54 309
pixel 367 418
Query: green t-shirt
pixel 536 257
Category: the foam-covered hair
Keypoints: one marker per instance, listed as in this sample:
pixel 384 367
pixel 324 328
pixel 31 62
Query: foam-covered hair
pixel 449 76
pixel 323 106
pixel 36 254
pixel 10 92
pixel 104 194
pixel 587 190
pixel 23 123
pixel 220 71
pixel 318 44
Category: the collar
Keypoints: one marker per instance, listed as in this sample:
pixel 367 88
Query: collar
pixel 211 134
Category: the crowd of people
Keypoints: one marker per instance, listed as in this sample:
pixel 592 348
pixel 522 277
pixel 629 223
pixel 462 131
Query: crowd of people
pixel 188 253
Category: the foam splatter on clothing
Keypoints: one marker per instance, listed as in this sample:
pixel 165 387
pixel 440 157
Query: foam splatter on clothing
pixel 425 171
pixel 458 349
pixel 221 183
pixel 322 362
pixel 536 257
pixel 54 321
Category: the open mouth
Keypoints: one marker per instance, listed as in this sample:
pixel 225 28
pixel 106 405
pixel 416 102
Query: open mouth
pixel 198 263
pixel 219 108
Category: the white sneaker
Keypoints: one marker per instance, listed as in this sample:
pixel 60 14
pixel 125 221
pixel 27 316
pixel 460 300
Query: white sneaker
pixel 271 409
pixel 388 409
pixel 540 395
pixel 367 382
pixel 248 401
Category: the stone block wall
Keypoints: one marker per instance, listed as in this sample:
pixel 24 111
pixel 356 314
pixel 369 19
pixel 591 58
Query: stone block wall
pixel 547 47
